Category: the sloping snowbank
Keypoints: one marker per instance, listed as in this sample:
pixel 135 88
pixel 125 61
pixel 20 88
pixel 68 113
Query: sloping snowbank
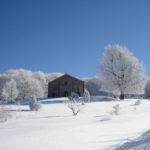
pixel 141 143
pixel 55 128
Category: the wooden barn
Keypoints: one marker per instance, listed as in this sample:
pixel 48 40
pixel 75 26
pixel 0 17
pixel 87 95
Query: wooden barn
pixel 64 85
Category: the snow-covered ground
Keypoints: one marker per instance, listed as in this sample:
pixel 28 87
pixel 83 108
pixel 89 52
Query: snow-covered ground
pixel 55 128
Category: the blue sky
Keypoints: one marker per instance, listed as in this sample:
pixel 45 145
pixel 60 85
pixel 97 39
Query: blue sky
pixel 70 35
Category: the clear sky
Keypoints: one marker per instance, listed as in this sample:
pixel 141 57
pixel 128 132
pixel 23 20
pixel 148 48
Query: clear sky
pixel 70 35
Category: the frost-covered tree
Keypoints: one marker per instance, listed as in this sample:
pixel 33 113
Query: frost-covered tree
pixel 40 76
pixel 52 76
pixel 4 94
pixel 94 85
pixel 86 96
pixel 28 85
pixel 28 82
pixel 10 91
pixel 121 71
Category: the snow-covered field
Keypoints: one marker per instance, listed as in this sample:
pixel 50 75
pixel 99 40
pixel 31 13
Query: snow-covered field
pixel 55 128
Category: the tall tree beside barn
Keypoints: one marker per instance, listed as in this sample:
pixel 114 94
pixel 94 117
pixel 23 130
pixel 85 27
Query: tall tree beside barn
pixel 121 71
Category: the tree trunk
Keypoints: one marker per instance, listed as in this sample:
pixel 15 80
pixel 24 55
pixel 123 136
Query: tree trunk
pixel 122 96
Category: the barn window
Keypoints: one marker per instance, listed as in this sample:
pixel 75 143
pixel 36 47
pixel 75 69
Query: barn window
pixel 66 83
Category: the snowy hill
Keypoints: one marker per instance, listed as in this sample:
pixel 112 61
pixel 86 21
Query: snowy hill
pixel 55 128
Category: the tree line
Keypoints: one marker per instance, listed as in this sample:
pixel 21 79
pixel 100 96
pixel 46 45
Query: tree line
pixel 120 74
pixel 20 84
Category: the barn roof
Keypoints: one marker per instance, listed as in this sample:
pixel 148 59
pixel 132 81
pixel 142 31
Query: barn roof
pixel 66 75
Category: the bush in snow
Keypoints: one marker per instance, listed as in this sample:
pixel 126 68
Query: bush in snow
pixel 86 96
pixel 106 118
pixel 74 103
pixel 33 104
pixel 73 96
pixel 116 109
pixel 5 114
pixel 138 102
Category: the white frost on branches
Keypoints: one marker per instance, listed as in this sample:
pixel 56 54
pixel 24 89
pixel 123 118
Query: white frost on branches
pixel 9 91
pixel 74 103
pixel 121 71
pixel 94 85
pixel 27 82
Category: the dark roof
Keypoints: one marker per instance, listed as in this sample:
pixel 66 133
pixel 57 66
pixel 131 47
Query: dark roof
pixel 66 75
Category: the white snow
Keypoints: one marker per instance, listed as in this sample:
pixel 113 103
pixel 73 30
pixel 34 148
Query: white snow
pixel 55 128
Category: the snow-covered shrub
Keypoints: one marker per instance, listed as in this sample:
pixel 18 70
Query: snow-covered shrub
pixel 33 104
pixel 106 118
pixel 116 109
pixel 5 114
pixel 138 102
pixel 74 103
pixel 86 96
pixel 73 96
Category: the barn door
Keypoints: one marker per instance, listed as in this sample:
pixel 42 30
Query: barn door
pixel 66 94
pixel 78 93
pixel 53 95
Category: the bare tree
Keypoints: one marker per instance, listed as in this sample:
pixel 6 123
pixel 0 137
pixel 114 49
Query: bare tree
pixel 74 104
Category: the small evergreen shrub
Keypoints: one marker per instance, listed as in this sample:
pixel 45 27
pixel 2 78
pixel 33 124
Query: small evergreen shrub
pixel 86 96
pixel 33 104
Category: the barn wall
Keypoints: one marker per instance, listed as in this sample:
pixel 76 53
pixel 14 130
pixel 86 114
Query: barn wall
pixel 58 86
